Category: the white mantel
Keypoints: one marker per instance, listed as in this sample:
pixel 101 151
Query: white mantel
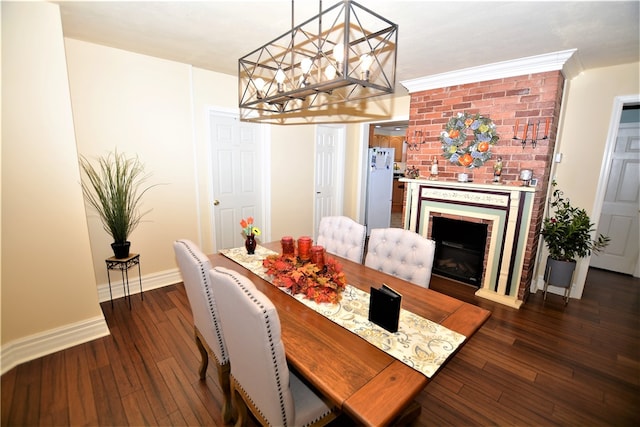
pixel 508 207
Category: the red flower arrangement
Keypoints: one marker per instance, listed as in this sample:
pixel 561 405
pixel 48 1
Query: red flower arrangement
pixel 317 284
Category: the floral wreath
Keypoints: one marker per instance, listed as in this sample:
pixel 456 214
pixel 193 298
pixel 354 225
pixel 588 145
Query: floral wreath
pixel 454 137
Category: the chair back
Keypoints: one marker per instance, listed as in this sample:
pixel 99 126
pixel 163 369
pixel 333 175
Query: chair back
pixel 252 333
pixel 342 236
pixel 401 253
pixel 194 267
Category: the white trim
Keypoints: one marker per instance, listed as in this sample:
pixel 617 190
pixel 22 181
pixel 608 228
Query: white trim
pixel 194 149
pixel 265 135
pixel 518 67
pixel 149 282
pixel 338 179
pixel 47 342
pixel 265 131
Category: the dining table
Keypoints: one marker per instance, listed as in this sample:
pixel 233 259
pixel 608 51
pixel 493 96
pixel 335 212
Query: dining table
pixel 364 382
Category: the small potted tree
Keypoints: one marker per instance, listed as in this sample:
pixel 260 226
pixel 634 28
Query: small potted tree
pixel 114 188
pixel 567 233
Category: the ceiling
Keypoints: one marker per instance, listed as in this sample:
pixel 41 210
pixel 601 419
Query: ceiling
pixel 433 37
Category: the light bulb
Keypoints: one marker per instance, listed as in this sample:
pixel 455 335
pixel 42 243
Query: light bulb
pixel 330 72
pixel 365 62
pixel 259 84
pixel 338 53
pixel 305 65
pixel 280 79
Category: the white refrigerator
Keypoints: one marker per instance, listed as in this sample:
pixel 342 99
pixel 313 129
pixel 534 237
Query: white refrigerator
pixel 379 188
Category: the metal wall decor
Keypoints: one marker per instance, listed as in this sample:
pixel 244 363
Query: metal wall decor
pixel 535 133
pixel 345 53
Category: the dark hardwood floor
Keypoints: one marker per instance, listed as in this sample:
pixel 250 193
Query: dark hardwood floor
pixel 545 364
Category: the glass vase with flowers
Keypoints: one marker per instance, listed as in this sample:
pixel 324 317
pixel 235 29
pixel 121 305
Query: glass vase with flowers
pixel 250 232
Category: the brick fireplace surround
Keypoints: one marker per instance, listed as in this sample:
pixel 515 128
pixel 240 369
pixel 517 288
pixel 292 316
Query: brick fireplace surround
pixel 529 97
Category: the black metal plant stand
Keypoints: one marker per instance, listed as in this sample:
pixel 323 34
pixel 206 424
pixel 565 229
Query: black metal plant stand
pixel 124 264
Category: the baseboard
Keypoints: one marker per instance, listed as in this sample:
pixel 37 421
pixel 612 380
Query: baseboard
pixel 34 346
pixel 149 282
pixel 25 349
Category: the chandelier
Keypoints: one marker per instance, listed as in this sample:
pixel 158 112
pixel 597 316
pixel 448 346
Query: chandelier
pixel 346 53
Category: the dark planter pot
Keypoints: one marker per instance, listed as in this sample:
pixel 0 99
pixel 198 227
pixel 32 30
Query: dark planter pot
pixel 121 250
pixel 250 244
pixel 559 273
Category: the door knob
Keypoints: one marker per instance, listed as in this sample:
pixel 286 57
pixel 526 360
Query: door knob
pixel 216 202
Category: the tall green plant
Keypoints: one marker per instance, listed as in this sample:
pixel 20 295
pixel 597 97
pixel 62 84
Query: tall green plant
pixel 567 231
pixel 114 188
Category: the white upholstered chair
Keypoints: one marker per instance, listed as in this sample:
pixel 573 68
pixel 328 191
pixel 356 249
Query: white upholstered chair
pixel 342 236
pixel 401 253
pixel 260 377
pixel 194 267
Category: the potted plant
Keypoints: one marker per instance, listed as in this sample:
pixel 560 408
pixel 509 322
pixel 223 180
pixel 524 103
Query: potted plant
pixel 114 189
pixel 567 233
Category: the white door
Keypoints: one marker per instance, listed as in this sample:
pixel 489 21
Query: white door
pixel 329 172
pixel 236 172
pixel 619 217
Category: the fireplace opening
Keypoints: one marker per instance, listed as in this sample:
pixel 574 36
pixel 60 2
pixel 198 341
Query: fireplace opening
pixel 460 249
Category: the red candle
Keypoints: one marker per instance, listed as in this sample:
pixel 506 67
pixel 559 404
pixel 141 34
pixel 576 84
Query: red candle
pixel 288 246
pixel 317 256
pixel 515 131
pixel 534 133
pixel 304 248
pixel 546 128
pixel 526 130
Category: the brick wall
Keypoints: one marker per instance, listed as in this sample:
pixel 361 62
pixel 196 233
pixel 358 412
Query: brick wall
pixel 532 98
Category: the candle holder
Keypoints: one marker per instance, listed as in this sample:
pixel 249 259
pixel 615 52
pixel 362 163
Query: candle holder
pixel 534 133
pixel 526 175
pixel 288 246
pixel 417 139
pixel 304 248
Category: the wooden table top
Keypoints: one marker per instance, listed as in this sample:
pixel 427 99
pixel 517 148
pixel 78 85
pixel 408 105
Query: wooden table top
pixel 369 385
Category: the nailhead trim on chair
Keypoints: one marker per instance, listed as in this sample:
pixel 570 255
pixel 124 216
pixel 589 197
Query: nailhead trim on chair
pixel 211 302
pixel 273 354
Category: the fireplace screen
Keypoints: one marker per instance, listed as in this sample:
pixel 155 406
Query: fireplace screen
pixel 460 249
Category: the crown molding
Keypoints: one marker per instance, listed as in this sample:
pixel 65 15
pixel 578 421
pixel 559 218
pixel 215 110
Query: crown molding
pixel 564 61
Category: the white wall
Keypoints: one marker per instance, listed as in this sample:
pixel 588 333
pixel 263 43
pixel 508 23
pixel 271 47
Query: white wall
pixel 141 106
pixel 587 111
pixel 47 272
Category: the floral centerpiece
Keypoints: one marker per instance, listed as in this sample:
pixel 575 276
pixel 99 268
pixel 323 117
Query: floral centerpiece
pixel 454 139
pixel 317 284
pixel 250 232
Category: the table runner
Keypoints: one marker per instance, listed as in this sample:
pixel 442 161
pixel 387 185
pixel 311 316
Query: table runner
pixel 419 343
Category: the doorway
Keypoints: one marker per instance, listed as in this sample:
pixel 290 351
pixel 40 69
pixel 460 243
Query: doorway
pixel 329 172
pixel 621 203
pixel 238 178
pixel 391 134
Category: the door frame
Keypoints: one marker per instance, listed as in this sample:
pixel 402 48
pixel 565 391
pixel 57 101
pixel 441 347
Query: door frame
pixel 265 202
pixel 362 164
pixel 340 172
pixel 605 169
